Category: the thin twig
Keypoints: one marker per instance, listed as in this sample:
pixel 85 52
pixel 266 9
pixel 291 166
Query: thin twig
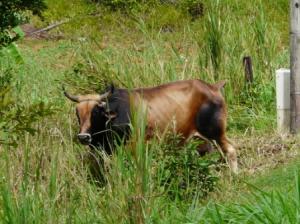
pixel 52 26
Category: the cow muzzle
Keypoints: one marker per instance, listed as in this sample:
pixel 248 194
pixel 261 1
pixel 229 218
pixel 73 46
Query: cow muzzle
pixel 85 138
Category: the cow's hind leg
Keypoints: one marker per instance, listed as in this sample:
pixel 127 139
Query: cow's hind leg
pixel 211 123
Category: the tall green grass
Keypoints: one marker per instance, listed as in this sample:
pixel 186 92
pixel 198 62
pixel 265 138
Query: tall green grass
pixel 48 179
pixel 260 207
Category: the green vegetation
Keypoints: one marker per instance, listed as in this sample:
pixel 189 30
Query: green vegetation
pixel 48 177
pixel 15 117
pixel 12 14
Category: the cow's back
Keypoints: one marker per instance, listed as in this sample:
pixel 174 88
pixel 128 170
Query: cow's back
pixel 175 105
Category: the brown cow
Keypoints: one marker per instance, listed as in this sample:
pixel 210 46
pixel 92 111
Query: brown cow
pixel 190 108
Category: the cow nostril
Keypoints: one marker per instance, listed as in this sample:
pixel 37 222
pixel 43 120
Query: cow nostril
pixel 84 137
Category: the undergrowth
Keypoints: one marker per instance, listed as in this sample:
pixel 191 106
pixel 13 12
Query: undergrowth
pixel 47 178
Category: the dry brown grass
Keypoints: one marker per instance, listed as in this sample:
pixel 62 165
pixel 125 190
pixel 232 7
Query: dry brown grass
pixel 259 153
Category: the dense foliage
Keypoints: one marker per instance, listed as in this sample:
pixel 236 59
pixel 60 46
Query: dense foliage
pixel 15 116
pixel 13 13
pixel 193 7
pixel 121 4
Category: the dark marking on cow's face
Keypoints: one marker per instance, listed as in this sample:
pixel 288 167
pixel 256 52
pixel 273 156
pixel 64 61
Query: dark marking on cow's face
pixel 94 121
pixel 103 124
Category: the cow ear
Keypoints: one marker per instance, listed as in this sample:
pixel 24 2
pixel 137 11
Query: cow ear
pixel 219 85
pixel 110 88
pixel 110 115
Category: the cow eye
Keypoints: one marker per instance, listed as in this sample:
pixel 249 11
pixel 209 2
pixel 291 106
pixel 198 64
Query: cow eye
pixel 96 110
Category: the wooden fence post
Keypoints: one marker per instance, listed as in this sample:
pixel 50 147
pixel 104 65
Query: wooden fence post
pixel 247 62
pixel 295 64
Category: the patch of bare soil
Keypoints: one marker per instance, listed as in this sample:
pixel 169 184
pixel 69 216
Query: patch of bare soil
pixel 32 32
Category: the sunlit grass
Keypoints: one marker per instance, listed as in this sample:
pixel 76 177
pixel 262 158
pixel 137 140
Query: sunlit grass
pixel 47 178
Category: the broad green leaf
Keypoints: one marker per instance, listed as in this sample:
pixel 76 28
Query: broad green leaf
pixel 13 51
pixel 18 31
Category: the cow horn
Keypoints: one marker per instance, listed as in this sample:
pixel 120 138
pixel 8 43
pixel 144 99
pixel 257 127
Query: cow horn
pixel 108 93
pixel 94 97
pixel 71 97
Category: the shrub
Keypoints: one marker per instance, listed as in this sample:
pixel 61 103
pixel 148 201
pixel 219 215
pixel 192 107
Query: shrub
pixel 16 117
pixel 166 18
pixel 182 173
pixel 124 5
pixel 195 8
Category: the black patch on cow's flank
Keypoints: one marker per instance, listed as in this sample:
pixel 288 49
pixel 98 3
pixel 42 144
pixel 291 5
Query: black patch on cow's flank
pixel 208 120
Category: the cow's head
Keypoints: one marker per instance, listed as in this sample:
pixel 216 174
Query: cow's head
pixel 92 113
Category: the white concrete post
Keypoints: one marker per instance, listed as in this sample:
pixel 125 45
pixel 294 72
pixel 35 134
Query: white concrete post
pixel 283 100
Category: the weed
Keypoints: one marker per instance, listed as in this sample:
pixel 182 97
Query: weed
pixel 181 172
